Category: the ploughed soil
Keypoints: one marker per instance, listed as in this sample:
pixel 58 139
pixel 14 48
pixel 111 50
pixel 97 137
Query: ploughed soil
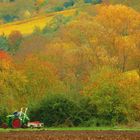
pixel 70 135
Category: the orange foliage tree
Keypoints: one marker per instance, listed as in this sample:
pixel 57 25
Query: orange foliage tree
pixel 12 84
pixel 42 78
pixel 118 32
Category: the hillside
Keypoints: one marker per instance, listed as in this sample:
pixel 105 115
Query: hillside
pixel 71 62
pixel 27 26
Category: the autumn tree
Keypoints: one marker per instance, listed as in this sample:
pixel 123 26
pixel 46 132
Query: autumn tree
pixel 14 39
pixel 42 78
pixel 118 32
pixel 4 45
pixel 115 94
pixel 38 4
pixel 12 85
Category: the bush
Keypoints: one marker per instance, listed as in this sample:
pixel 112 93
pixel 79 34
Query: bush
pixel 0 121
pixel 14 39
pixel 58 8
pixel 12 42
pixel 4 45
pixel 111 103
pixel 68 4
pixel 60 110
pixel 56 23
pixel 93 1
pixel 56 110
pixel 88 1
pixel 9 18
pixel 88 109
pixel 3 114
pixel 96 122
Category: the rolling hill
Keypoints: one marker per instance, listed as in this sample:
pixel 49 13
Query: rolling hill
pixel 27 26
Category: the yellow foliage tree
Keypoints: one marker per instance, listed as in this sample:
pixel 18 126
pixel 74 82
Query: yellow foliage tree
pixel 118 29
pixel 12 85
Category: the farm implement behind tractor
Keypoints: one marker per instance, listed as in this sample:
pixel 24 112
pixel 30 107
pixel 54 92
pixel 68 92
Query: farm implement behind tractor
pixel 20 120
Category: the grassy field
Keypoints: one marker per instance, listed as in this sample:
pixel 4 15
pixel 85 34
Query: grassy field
pixel 75 129
pixel 27 26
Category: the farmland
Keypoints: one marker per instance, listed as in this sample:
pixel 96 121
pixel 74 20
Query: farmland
pixel 71 135
pixel 27 26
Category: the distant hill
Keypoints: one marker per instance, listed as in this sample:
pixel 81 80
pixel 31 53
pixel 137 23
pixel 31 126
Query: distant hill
pixel 28 26
pixel 23 15
pixel 13 10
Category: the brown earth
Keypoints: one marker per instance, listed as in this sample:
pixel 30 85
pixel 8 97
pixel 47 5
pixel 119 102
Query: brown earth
pixel 71 135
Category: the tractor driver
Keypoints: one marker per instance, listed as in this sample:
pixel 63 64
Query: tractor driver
pixel 16 114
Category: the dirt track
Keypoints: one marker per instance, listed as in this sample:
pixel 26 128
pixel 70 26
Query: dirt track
pixel 71 135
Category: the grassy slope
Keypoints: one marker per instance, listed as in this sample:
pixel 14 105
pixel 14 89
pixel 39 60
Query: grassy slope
pixel 27 26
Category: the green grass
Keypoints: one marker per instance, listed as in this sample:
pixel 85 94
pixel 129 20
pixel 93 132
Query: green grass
pixel 97 128
pixel 74 129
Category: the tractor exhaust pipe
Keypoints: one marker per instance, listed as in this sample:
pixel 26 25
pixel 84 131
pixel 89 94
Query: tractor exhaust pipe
pixel 26 110
pixel 21 111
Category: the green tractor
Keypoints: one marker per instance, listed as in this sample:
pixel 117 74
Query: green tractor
pixel 17 119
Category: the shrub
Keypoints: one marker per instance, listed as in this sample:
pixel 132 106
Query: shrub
pixel 4 45
pixel 96 122
pixel 58 8
pixel 9 18
pixel 88 109
pixel 110 104
pixel 88 1
pixel 60 110
pixel 68 4
pixel 14 39
pixel 56 110
pixel 3 114
pixel 93 1
pixel 56 23
pixel 106 94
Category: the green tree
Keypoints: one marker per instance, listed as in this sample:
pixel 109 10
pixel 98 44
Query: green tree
pixel 4 45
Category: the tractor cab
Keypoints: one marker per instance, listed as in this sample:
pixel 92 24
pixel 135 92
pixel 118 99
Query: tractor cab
pixel 16 114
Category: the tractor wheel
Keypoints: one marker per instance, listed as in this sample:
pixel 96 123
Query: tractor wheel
pixel 16 123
